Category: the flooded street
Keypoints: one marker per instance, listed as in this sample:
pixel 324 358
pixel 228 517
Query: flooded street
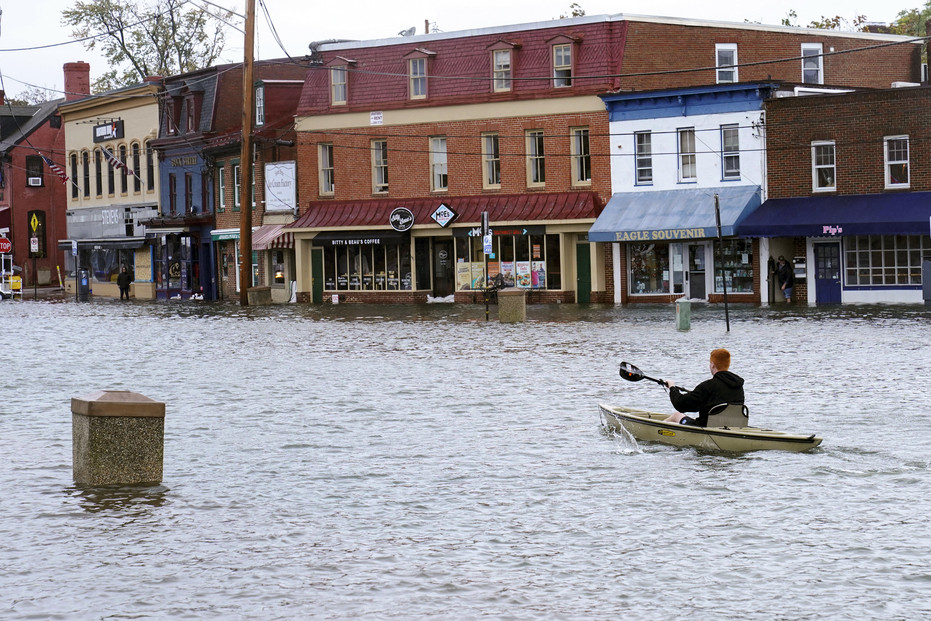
pixel 342 462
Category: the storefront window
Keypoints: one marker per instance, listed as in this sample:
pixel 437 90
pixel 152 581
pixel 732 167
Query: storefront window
pixel 527 261
pixel 738 266
pixel 649 268
pixel 277 267
pixel 376 267
pixel 104 263
pixel 878 260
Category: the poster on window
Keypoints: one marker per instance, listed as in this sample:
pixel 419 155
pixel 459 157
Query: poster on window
pixel 524 279
pixel 463 275
pixel 538 276
pixel 507 273
pixel 478 275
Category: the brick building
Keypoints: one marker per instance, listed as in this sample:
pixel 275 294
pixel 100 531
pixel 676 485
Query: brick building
pixel 849 193
pixel 428 132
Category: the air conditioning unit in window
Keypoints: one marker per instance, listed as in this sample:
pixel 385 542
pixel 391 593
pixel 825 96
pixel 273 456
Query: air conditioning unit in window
pixel 34 182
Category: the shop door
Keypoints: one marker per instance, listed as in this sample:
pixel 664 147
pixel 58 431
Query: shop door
pixel 827 273
pixel 695 273
pixel 316 275
pixel 583 268
pixel 444 276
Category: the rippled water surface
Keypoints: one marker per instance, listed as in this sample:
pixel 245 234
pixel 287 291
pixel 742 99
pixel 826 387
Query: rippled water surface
pixel 345 462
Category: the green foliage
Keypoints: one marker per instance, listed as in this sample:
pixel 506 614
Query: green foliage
pixel 142 38
pixel 575 10
pixel 32 96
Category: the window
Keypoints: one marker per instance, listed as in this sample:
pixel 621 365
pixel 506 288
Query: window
pixel 188 193
pixel 260 105
pixel 123 172
pixel 137 168
pixel 379 166
pixel 325 166
pixel 885 260
pixel 730 152
pixel 74 175
pixel 687 167
pixel 439 182
pixel 491 161
pixel 562 65
pixel 501 70
pixel 172 194
pixel 649 268
pixel 581 157
pixel 726 62
pixel 86 164
pixel 98 172
pixel 823 173
pixel 35 168
pixel 643 145
pixel 536 162
pixel 812 70
pixel 338 94
pixel 149 168
pixel 111 183
pixel 221 188
pixel 737 257
pixel 897 162
pixel 237 188
pixel 418 78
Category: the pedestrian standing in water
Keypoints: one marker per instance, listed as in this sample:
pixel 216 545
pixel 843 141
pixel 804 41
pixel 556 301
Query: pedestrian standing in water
pixel 123 281
pixel 785 277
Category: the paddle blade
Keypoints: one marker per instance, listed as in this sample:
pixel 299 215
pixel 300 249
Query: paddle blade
pixel 630 372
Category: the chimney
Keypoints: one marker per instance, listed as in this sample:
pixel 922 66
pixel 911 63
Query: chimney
pixel 2 98
pixel 77 80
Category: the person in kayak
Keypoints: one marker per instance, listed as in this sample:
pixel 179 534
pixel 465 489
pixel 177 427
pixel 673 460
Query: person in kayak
pixel 723 387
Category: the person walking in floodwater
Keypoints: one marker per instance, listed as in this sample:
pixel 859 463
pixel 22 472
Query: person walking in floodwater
pixel 785 277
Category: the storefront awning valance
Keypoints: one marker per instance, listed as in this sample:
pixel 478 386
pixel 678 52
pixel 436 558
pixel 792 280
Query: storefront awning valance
pixel 905 213
pixel 673 215
pixel 224 234
pixel 359 238
pixel 271 236
pixel 119 243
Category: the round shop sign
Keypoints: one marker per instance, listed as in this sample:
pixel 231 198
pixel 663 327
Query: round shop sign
pixel 402 219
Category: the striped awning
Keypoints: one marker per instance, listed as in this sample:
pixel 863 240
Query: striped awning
pixel 270 237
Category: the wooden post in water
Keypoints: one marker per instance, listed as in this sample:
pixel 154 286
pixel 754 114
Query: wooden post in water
pixel 245 159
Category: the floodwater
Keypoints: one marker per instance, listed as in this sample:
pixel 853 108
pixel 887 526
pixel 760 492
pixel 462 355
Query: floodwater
pixel 361 462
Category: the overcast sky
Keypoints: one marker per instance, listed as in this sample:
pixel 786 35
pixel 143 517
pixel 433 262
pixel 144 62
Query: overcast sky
pixel 37 24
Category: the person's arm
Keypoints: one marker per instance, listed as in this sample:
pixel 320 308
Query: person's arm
pixel 685 401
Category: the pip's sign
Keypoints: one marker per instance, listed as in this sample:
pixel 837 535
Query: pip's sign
pixel 6 246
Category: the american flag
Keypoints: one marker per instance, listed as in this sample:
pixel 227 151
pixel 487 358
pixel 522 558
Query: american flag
pixel 117 163
pixel 58 170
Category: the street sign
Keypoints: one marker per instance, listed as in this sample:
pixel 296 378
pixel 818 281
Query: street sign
pixel 33 244
pixel 74 248
pixel 6 246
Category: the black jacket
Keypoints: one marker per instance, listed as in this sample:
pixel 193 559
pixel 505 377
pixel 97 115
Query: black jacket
pixel 123 280
pixel 785 275
pixel 723 387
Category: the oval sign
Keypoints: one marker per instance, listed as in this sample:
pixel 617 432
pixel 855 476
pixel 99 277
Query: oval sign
pixel 402 219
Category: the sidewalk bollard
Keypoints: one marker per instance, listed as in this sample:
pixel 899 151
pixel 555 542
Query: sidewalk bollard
pixel 512 305
pixel 683 314
pixel 118 438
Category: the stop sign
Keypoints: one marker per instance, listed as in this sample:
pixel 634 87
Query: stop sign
pixel 6 246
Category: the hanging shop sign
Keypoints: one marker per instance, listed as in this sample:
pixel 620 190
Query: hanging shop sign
pixel 443 215
pixel 112 130
pixel 402 219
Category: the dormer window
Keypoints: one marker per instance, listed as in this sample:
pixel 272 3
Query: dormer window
pixel 562 60
pixel 417 66
pixel 502 64
pixel 260 105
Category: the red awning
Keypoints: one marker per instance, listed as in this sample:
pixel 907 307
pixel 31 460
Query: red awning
pixel 561 206
pixel 271 236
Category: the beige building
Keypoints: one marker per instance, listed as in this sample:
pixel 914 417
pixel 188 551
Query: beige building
pixel 114 184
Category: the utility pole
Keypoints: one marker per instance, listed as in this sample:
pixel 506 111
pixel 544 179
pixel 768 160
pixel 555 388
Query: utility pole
pixel 245 159
pixel 717 219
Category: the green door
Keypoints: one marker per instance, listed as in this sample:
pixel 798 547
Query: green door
pixel 584 270
pixel 316 275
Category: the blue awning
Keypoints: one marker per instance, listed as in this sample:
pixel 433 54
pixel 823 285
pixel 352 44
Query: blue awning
pixel 672 215
pixel 905 213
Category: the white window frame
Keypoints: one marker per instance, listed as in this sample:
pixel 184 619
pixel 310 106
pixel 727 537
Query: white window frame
pixel 643 156
pixel 417 68
pixel 439 165
pixel 726 68
pixel 501 70
pixel 581 156
pixel 237 187
pixel 327 176
pixel 221 188
pixel 562 65
pixel 491 161
pixel 730 153
pixel 260 105
pixel 894 157
pixel 688 158
pixel 813 61
pixel 339 85
pixel 536 158
pixel 380 166
pixel 818 165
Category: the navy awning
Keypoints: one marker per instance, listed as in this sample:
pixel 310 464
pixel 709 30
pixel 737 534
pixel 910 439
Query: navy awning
pixel 905 213
pixel 671 215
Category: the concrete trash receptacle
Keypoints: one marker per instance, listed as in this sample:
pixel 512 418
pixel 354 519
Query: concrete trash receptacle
pixel 118 438
pixel 512 305
pixel 683 314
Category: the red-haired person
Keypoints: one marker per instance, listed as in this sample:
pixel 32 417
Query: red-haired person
pixel 723 387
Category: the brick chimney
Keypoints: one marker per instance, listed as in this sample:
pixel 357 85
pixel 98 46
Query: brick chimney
pixel 77 80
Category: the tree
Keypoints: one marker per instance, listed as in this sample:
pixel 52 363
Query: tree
pixel 575 10
pixel 141 38
pixel 32 96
